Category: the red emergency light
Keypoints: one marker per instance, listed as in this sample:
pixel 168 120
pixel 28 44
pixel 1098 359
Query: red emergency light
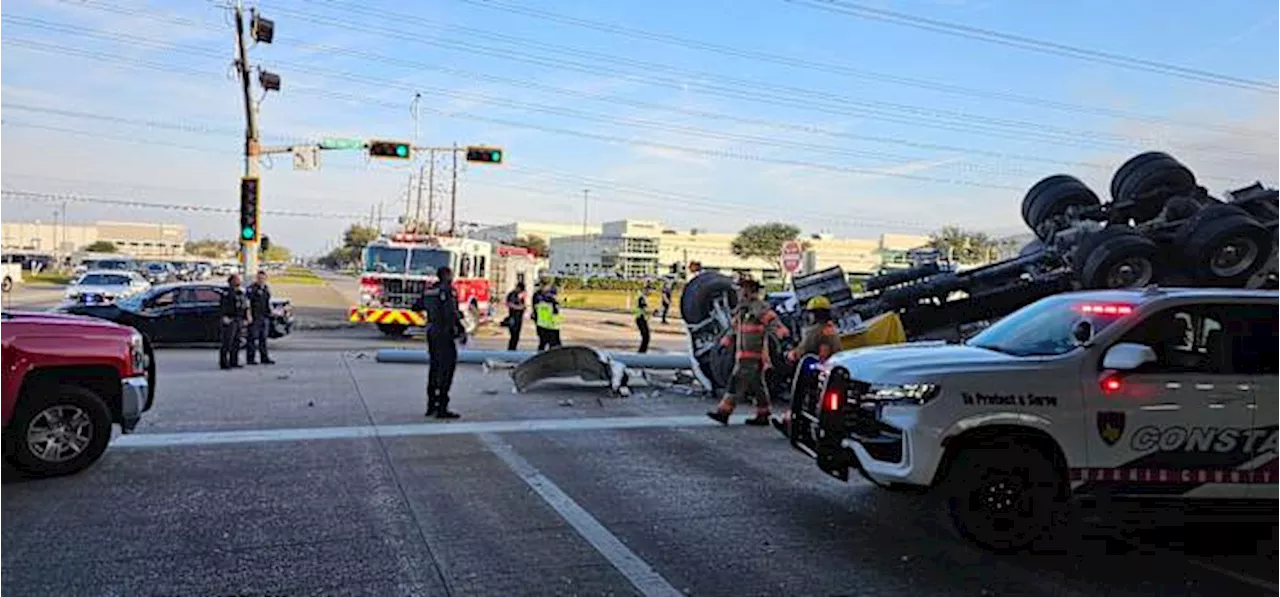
pixel 831 401
pixel 1104 309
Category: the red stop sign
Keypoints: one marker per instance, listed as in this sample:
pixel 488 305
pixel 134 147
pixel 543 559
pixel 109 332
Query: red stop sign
pixel 792 253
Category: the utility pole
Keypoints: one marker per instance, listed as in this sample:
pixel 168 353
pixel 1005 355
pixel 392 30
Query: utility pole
pixel 379 224
pixel 262 30
pixel 431 191
pixel 453 192
pixel 248 248
pixel 408 201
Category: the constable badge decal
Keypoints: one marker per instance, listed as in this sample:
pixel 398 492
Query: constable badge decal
pixel 1110 426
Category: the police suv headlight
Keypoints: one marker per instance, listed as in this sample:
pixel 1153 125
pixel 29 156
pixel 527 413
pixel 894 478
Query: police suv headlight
pixel 72 293
pixel 908 393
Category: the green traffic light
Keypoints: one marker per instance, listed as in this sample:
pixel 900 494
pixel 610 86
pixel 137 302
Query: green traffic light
pixel 402 150
pixel 496 156
pixel 247 233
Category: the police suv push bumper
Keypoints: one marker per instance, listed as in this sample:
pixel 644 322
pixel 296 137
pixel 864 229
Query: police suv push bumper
pixel 833 425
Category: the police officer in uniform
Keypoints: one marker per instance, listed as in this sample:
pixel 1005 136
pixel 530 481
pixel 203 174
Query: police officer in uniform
pixel 234 310
pixel 515 314
pixel 259 295
pixel 444 329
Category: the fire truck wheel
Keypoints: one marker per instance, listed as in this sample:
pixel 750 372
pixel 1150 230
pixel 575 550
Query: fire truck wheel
pixel 1147 181
pixel 393 330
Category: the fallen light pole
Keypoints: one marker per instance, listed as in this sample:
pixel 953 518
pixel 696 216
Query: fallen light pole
pixel 673 360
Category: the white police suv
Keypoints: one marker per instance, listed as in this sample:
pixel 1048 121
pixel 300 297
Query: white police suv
pixel 1155 393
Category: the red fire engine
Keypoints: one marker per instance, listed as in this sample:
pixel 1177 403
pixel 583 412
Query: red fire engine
pixel 397 269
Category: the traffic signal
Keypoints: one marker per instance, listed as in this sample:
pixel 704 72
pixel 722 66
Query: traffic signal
pixel 265 245
pixel 390 149
pixel 489 155
pixel 249 209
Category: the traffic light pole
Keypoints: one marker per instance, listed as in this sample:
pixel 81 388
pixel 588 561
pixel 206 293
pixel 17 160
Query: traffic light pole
pixel 248 247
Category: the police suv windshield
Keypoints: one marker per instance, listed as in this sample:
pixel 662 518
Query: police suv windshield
pixel 1043 328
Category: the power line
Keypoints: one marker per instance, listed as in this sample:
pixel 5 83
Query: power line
pixel 733 88
pixel 711 153
pixel 845 70
pixel 1036 45
pixel 714 153
pixel 16 194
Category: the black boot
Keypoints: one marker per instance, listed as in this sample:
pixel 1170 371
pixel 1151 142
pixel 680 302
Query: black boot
pixel 266 361
pixel 444 412
pixel 719 416
pixel 760 420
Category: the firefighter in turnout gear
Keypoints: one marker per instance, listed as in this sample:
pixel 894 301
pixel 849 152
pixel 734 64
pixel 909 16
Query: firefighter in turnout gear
pixel 752 320
pixel 820 338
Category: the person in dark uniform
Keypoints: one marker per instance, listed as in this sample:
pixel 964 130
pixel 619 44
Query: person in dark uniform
pixel 667 289
pixel 444 328
pixel 515 314
pixel 259 295
pixel 234 311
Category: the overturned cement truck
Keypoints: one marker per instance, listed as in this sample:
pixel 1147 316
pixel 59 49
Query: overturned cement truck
pixel 1160 227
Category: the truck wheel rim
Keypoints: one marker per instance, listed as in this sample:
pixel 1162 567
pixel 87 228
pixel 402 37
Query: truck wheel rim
pixel 59 433
pixel 1233 258
pixel 1130 273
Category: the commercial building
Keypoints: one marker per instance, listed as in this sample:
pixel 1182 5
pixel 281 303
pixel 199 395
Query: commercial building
pixel 130 238
pixel 638 248
pixel 544 230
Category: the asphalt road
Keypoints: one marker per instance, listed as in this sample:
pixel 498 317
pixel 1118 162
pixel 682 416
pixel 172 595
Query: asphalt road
pixel 319 476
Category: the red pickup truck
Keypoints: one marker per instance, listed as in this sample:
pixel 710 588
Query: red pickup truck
pixel 67 379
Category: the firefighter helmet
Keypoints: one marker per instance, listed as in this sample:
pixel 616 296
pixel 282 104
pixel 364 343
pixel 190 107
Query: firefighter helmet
pixel 817 303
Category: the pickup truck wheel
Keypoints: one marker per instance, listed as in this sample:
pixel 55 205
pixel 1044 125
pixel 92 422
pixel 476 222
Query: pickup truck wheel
pixel 1003 499
pixel 7 284
pixel 57 430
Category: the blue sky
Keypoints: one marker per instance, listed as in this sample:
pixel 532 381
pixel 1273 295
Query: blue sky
pixel 903 130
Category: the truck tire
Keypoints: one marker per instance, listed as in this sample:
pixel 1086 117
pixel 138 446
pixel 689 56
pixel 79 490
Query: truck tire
pixel 77 418
pixel 1117 257
pixel 697 299
pixel 7 284
pixel 393 330
pixel 1003 498
pixel 1147 181
pixel 1052 196
pixel 1222 245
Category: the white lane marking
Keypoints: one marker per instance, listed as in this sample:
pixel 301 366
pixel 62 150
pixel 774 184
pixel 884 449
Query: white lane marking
pixel 642 576
pixel 202 438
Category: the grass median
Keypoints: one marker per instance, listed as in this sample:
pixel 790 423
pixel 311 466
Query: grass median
pixel 614 301
pixel 298 275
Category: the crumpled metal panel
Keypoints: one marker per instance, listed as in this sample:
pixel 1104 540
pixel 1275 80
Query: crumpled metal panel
pixel 582 362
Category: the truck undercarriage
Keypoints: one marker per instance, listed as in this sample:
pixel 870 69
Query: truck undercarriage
pixel 1160 227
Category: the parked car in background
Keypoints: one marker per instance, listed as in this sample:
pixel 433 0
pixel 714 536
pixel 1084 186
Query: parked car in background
pixel 117 264
pixel 67 381
pixel 203 270
pixel 184 313
pixel 103 287
pixel 159 272
pixel 10 274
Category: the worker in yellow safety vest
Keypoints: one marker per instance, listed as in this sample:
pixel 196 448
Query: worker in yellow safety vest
pixel 642 317
pixel 546 317
pixel 752 318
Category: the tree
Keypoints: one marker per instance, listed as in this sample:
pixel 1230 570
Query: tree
pixel 964 246
pixel 535 244
pixel 277 253
pixel 357 236
pixel 101 246
pixel 764 241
